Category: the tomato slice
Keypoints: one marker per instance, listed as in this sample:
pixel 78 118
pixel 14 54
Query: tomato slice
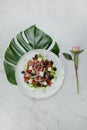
pixel 34 82
pixel 29 71
pixel 48 82
pixel 49 65
pixel 43 78
pixel 26 74
pixel 26 79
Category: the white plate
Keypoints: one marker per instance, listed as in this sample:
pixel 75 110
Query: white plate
pixel 39 93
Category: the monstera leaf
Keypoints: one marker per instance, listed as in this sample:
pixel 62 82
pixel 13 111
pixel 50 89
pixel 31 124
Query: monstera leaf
pixel 31 38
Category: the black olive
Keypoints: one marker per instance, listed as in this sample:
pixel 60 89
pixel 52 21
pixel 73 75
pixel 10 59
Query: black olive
pixel 45 63
pixel 44 74
pixel 51 62
pixel 33 58
pixel 27 82
pixel 32 74
pixel 22 72
pixel 54 68
pixel 36 56
pixel 38 84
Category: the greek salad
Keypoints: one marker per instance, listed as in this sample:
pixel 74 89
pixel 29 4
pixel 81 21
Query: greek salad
pixel 39 72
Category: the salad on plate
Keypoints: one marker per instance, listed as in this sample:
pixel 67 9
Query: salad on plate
pixel 39 72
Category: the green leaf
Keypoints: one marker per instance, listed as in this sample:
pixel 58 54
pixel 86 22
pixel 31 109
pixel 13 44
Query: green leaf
pixel 31 38
pixel 37 38
pixel 77 52
pixel 56 49
pixel 80 51
pixel 10 72
pixel 23 43
pixel 76 58
pixel 67 56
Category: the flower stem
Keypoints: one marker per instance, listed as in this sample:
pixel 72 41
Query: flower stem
pixel 76 71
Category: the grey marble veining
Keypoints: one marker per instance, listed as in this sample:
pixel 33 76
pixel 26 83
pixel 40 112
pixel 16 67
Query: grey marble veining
pixel 66 22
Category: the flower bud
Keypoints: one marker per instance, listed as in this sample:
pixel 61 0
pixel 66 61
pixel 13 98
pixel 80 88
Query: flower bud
pixel 75 49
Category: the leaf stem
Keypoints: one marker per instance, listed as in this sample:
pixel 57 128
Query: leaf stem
pixel 76 71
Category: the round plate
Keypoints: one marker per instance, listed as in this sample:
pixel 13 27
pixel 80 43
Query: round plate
pixel 40 93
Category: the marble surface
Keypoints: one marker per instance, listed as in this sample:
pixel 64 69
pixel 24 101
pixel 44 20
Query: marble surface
pixel 66 22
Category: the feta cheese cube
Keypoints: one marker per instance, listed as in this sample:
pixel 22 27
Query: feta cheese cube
pixel 39 59
pixel 49 69
pixel 30 81
pixel 44 83
pixel 30 67
pixel 53 80
pixel 41 73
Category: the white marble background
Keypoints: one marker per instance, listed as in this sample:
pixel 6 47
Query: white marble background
pixel 66 22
